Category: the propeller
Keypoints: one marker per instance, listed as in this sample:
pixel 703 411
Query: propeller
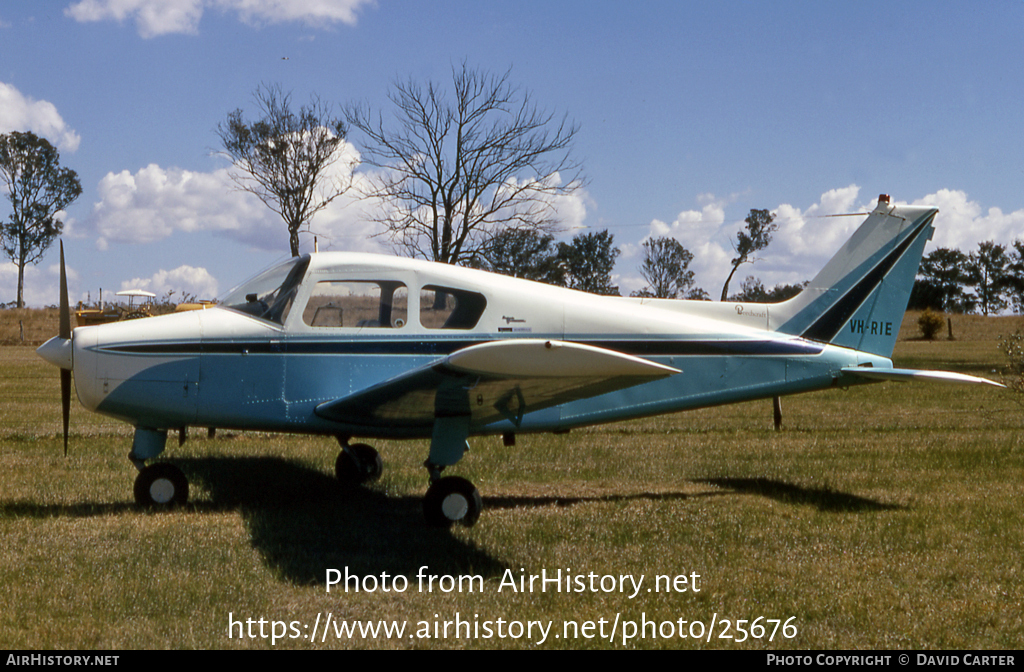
pixel 64 333
pixel 58 350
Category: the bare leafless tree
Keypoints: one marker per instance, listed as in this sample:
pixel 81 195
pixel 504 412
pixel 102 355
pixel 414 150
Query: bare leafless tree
pixel 285 158
pixel 456 169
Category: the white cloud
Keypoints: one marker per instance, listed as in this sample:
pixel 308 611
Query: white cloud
pixel 962 223
pixel 19 112
pixel 42 285
pixel 807 238
pixel 568 209
pixel 155 203
pixel 182 280
pixel 688 222
pixel 815 233
pixel 698 231
pixel 311 12
pixel 152 17
pixel 162 17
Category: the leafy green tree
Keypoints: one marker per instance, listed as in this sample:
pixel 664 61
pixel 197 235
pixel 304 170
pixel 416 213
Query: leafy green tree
pixel 38 190
pixel 987 271
pixel 1015 277
pixel 757 236
pixel 586 263
pixel 752 290
pixel 944 273
pixel 925 294
pixel 284 158
pixel 521 254
pixel 666 268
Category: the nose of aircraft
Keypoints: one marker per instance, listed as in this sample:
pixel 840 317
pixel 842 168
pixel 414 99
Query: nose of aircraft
pixel 57 351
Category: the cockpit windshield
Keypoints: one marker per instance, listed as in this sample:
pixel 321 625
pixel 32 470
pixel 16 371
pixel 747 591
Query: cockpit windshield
pixel 269 296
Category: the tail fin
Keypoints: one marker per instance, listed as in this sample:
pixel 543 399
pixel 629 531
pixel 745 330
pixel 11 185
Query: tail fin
pixel 859 298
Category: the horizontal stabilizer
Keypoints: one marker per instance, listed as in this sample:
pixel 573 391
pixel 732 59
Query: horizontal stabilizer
pixel 916 375
pixel 493 381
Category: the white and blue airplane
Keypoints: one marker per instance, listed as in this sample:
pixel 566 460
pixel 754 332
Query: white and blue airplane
pixel 359 345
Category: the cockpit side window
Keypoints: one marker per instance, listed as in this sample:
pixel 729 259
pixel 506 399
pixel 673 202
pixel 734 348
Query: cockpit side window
pixel 449 308
pixel 269 296
pixel 374 304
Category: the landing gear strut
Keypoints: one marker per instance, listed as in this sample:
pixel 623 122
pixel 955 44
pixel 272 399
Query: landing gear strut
pixel 450 499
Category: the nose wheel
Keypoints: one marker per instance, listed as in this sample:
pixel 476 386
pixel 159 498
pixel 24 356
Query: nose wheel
pixel 161 485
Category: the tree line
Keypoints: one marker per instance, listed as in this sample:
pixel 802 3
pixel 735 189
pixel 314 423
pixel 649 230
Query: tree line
pixel 988 280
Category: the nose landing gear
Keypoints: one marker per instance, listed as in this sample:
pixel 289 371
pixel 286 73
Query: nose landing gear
pixel 161 485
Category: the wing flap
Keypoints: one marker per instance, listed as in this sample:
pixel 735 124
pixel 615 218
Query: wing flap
pixel 492 381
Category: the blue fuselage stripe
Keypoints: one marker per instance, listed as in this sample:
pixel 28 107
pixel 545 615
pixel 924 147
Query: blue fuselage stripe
pixel 639 348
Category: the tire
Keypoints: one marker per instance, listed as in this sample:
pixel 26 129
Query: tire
pixel 370 463
pixel 161 485
pixel 359 464
pixel 450 500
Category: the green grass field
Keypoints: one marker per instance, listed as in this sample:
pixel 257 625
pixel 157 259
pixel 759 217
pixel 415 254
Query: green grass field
pixel 882 517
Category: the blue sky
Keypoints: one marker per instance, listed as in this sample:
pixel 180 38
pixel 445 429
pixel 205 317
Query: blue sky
pixel 690 114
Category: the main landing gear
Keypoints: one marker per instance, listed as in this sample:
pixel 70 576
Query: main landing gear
pixel 452 499
pixel 357 464
pixel 449 500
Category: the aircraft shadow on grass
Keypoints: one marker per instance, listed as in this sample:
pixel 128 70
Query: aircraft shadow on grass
pixel 303 522
pixel 509 502
pixel 824 499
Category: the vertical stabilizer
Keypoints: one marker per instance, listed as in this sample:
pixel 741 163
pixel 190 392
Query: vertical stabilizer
pixel 859 298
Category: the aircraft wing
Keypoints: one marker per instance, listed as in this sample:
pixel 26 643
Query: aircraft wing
pixel 492 381
pixel 916 375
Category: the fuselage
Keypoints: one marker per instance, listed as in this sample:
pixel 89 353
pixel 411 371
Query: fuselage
pixel 323 327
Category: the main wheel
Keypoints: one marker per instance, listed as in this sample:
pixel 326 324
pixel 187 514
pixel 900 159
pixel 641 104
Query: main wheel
pixel 161 485
pixel 359 464
pixel 452 499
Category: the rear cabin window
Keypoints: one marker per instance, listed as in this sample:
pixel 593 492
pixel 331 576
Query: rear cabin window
pixel 372 304
pixel 448 308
